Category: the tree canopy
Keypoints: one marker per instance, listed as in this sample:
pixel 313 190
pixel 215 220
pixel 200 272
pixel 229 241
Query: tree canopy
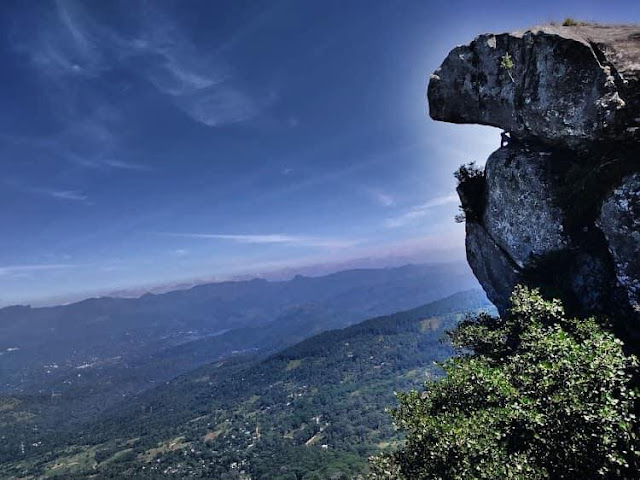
pixel 536 395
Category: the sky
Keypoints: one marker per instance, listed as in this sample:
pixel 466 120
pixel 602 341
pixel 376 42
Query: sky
pixel 144 143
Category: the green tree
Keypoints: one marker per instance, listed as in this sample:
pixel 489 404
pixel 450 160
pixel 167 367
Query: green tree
pixel 542 396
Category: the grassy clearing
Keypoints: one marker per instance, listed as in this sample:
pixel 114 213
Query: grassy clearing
pixel 116 456
pixel 72 464
pixel 8 403
pixel 293 364
pixel 177 443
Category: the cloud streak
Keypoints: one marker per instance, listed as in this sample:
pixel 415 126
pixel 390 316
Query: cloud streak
pixel 280 239
pixel 65 194
pixel 381 198
pixel 9 270
pixel 59 194
pixel 418 211
pixel 109 163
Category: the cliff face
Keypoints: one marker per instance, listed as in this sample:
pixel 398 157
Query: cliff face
pixel 558 207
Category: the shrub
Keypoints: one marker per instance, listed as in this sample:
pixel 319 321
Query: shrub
pixel 542 396
pixel 468 172
pixel 471 190
pixel 571 22
pixel 506 63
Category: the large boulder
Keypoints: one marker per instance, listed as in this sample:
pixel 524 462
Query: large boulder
pixel 522 212
pixel 558 207
pixel 521 229
pixel 567 86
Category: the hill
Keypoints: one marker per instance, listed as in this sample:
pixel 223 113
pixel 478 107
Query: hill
pixel 70 363
pixel 40 348
pixel 316 408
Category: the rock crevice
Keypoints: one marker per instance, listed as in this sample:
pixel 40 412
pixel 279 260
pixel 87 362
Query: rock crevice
pixel 559 206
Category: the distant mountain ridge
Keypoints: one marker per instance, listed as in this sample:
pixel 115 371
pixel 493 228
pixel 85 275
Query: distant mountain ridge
pixel 316 406
pixel 68 364
pixel 40 345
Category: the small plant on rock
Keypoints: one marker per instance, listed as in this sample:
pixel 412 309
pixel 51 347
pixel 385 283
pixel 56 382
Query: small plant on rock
pixel 506 63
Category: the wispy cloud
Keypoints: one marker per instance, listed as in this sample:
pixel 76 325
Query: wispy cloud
pixel 418 211
pixel 69 55
pixel 8 270
pixel 73 51
pixel 382 198
pixel 198 82
pixel 282 239
pixel 91 142
pixel 222 105
pixel 339 174
pixel 113 163
pixel 65 194
pixel 60 194
pixel 80 145
pixel 106 163
pixel 59 44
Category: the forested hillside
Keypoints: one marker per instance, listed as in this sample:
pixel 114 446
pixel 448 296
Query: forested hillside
pixel 68 364
pixel 40 348
pixel 314 410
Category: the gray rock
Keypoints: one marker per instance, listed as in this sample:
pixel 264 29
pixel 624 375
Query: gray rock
pixel 522 213
pixel 495 271
pixel 568 87
pixel 620 222
pixel 591 282
pixel 520 235
pixel 559 207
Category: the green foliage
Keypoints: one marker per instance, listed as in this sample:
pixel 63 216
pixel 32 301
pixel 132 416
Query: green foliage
pixel 467 172
pixel 506 63
pixel 543 396
pixel 571 22
pixel 471 189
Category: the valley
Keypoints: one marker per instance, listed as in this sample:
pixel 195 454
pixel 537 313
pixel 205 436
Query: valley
pixel 313 410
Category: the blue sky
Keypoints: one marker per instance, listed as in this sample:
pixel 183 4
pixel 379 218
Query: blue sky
pixel 149 142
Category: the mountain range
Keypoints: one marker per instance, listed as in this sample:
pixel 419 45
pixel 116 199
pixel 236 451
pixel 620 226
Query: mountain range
pixel 312 410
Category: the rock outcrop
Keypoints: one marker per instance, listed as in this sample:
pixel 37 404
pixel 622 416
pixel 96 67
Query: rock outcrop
pixel 567 86
pixel 558 207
